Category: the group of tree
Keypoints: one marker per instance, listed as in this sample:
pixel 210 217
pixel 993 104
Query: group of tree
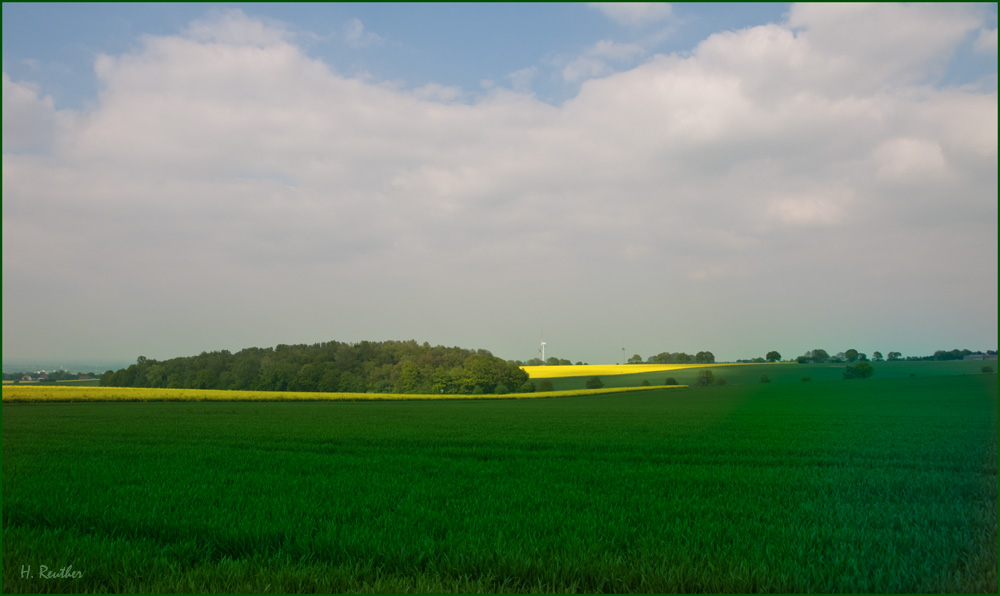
pixel 551 361
pixel 379 367
pixel 852 355
pixel 819 356
pixel 704 357
pixel 772 356
pixel 954 355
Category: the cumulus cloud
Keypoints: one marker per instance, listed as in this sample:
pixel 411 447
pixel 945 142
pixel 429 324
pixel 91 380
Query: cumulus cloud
pixel 224 173
pixel 634 14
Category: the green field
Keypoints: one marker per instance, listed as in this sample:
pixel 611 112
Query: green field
pixel 883 485
pixel 783 372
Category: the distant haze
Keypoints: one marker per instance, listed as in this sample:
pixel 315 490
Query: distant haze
pixel 180 178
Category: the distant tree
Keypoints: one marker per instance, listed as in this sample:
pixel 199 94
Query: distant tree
pixel 893 356
pixel 987 369
pixel 862 356
pixel 635 359
pixel 764 379
pixel 706 377
pixel 595 383
pixel 773 356
pixel 851 355
pixel 704 358
pixel 682 358
pixel 528 387
pixel 545 385
pixel 662 358
pixel 553 361
pixel 819 356
pixel 877 356
pixel 671 381
pixel 803 359
pixel 859 370
pixel 329 383
pixel 564 362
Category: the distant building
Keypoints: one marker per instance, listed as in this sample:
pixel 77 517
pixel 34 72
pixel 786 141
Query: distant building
pixel 981 357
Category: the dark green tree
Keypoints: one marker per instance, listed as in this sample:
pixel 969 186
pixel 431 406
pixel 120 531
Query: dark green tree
pixel 704 357
pixel 773 356
pixel 861 369
pixel 819 356
pixel 595 383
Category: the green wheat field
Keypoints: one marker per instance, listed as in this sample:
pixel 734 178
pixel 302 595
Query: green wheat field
pixel 880 485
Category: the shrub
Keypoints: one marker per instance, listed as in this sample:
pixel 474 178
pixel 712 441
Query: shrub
pixel 859 370
pixel 720 381
pixel 987 369
pixel 805 378
pixel 671 381
pixel 545 385
pixel 528 387
pixel 501 389
pixel 595 383
pixel 645 382
pixel 764 379
pixel 706 377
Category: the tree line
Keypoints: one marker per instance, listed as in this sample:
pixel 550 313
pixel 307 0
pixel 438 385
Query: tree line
pixel 376 367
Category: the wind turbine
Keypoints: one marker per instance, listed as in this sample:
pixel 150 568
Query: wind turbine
pixel 542 350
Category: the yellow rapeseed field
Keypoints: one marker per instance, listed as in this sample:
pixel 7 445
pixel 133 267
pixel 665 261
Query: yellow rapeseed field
pixel 41 393
pixel 600 370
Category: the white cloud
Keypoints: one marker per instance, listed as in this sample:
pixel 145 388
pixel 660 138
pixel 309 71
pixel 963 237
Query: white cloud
pixel 745 162
pixel 986 43
pixel 597 60
pixel 235 27
pixel 634 14
pixel 909 160
pixel 868 47
pixel 521 79
pixel 357 36
pixel 29 121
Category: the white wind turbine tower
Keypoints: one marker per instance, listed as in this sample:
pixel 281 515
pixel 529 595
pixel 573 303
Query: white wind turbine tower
pixel 542 350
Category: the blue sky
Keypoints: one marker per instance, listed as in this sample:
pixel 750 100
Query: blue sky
pixel 450 44
pixel 727 177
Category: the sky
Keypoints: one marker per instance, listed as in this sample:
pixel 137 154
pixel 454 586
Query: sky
pixel 636 178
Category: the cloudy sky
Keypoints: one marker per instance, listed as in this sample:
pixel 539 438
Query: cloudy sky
pixel 180 178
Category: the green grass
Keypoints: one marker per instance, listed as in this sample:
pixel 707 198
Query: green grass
pixel 782 372
pixel 881 485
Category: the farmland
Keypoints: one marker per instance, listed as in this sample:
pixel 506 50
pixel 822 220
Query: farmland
pixel 881 485
pixel 632 375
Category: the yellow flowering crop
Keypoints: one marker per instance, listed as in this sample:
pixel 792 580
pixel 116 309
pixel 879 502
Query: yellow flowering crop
pixel 40 393
pixel 599 370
